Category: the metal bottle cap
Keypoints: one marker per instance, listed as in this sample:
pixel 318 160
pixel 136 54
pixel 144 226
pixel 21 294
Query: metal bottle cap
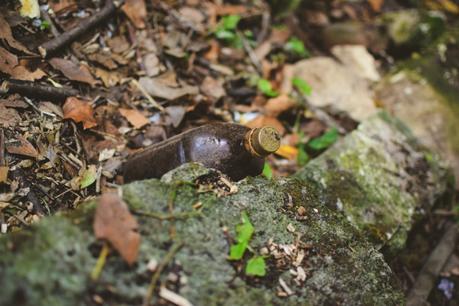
pixel 262 141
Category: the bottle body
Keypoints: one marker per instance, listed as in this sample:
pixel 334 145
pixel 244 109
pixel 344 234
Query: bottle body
pixel 219 145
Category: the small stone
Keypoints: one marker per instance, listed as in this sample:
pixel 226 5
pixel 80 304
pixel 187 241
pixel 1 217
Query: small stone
pixel 301 211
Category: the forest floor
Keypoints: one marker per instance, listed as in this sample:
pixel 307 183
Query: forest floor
pixel 72 111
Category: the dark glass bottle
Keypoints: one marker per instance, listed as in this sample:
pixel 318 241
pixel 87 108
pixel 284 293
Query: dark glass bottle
pixel 235 150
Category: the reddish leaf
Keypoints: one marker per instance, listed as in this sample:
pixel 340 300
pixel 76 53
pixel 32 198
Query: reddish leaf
pixel 73 71
pixel 275 106
pixel 79 111
pixel 22 147
pixel 136 12
pixel 114 222
pixel 134 117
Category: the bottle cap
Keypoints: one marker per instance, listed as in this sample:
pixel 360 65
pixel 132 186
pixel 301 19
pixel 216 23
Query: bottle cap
pixel 262 141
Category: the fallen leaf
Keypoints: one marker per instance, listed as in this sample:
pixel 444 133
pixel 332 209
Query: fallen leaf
pixel 376 5
pixel 287 152
pixel 158 89
pixel 4 174
pixel 136 11
pixel 134 117
pixel 7 35
pixel 30 8
pixel 152 64
pixel 88 177
pixel 109 78
pixel 21 146
pixel 263 120
pixel 14 101
pixel 275 106
pixel 103 59
pixel 73 71
pixel 228 9
pixel 51 108
pixel 79 111
pixel 9 65
pixel 115 223
pixel 176 114
pixel 212 87
pixel 62 5
pixel 8 117
pixel 118 44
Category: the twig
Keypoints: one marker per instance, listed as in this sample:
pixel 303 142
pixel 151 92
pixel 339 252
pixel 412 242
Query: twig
pixel 432 268
pixel 33 90
pixel 154 279
pixel 147 95
pixel 252 56
pixel 2 149
pixel 70 36
pixel 95 273
pixel 164 217
pixel 170 206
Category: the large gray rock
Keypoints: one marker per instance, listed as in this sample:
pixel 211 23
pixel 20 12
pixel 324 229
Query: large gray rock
pixel 314 255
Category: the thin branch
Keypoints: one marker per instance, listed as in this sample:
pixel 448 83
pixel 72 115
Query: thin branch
pixel 86 25
pixel 33 90
pixel 154 279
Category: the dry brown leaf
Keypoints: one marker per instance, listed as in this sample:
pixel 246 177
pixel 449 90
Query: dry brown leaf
pixel 212 87
pixel 14 101
pixel 158 89
pixel 376 5
pixel 51 108
pixel 275 106
pixel 62 5
pixel 118 44
pixel 79 111
pixel 109 78
pixel 103 59
pixel 9 65
pixel 8 116
pixel 263 120
pixel 136 12
pixel 228 9
pixel 115 223
pixel 4 174
pixel 21 146
pixel 7 35
pixel 134 117
pixel 73 71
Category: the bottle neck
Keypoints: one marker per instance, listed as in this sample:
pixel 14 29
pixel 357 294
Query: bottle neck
pixel 261 142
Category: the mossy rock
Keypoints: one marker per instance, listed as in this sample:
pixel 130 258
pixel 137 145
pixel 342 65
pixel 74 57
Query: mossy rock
pixel 311 228
pixel 50 263
pixel 382 179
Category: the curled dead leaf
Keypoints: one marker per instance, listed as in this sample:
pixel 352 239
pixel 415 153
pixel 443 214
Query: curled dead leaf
pixel 21 146
pixel 115 223
pixel 73 71
pixel 10 65
pixel 79 111
pixel 136 12
pixel 7 35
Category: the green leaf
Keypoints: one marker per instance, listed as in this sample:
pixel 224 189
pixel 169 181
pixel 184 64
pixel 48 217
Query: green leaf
pixel 256 266
pixel 44 25
pixel 302 86
pixel 244 234
pixel 324 141
pixel 89 177
pixel 267 171
pixel 265 87
pixel 302 157
pixel 296 46
pixel 225 34
pixel 229 22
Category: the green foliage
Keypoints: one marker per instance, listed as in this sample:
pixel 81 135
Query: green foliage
pixel 44 25
pixel 265 87
pixel 302 86
pixel 267 171
pixel 244 234
pixel 303 157
pixel 324 141
pixel 89 177
pixel 256 266
pixel 296 47
pixel 226 30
